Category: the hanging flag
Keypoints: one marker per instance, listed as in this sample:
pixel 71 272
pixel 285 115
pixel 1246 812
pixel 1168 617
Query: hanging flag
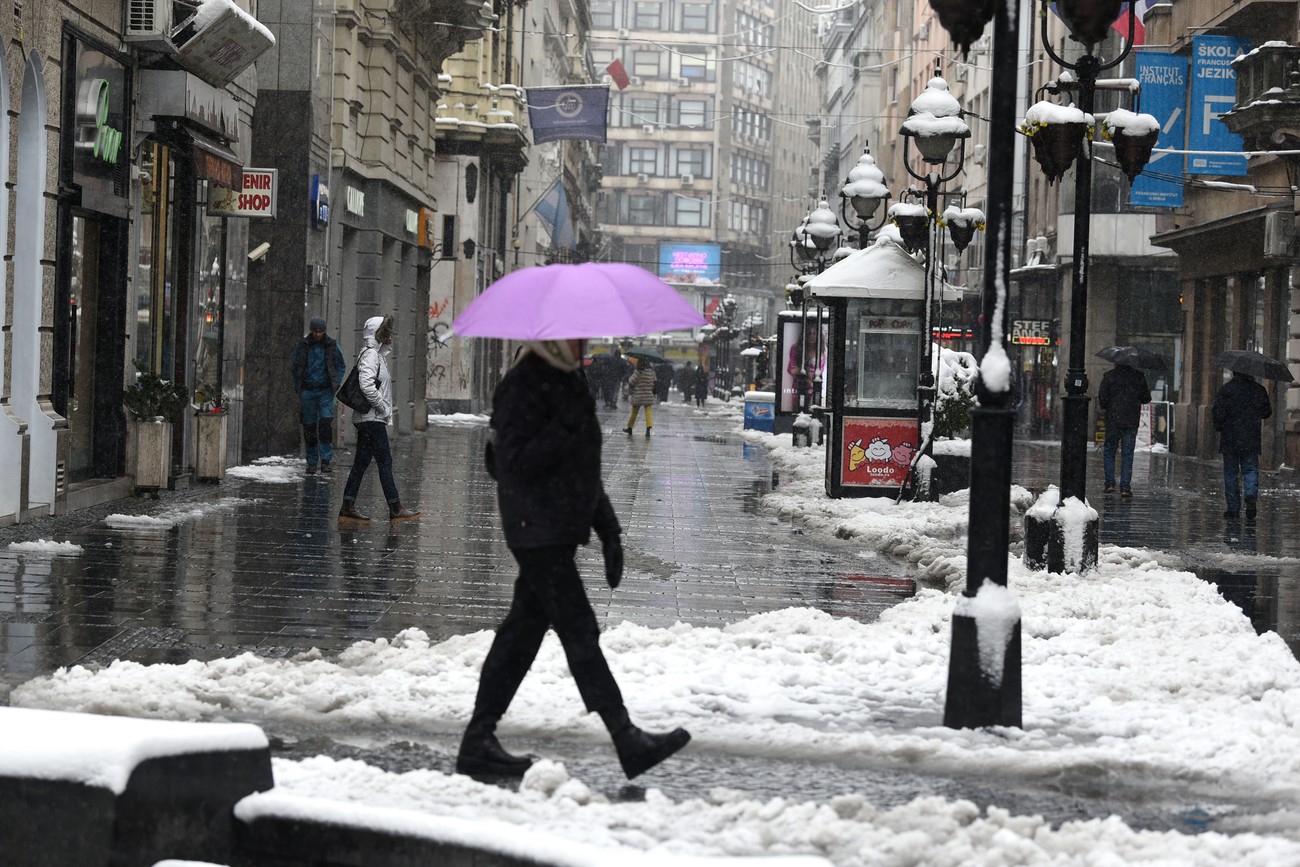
pixel 618 73
pixel 1137 10
pixel 553 210
pixel 577 112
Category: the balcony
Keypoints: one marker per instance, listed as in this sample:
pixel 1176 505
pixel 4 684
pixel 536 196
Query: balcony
pixel 1267 112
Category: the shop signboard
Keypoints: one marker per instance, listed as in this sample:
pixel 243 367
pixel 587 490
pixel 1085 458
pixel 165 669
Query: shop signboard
pixel 877 452
pixel 257 199
pixel 690 263
pixel 1034 332
pixel 101 137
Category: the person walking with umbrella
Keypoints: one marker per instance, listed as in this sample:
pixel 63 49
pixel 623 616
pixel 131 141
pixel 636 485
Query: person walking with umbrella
pixel 544 451
pixel 1123 392
pixel 1240 405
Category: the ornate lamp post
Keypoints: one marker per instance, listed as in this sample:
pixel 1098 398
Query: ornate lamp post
pixel 1089 22
pixel 984 667
pixel 865 190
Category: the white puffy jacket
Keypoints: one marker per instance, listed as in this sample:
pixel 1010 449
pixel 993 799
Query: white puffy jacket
pixel 372 371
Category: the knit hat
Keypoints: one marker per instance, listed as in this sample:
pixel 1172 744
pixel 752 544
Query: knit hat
pixel 556 353
pixel 317 324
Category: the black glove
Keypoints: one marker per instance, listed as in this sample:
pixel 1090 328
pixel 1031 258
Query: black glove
pixel 613 561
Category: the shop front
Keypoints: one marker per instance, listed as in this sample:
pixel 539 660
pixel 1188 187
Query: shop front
pixel 93 248
pixel 190 270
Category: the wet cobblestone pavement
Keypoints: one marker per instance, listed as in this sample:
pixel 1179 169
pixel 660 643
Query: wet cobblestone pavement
pixel 270 572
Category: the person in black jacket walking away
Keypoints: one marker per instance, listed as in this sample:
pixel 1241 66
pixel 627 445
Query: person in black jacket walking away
pixel 1239 406
pixel 544 453
pixel 1123 391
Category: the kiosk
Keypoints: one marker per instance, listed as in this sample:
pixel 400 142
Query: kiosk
pixel 877 356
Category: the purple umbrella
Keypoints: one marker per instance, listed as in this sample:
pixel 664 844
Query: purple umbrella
pixel 594 299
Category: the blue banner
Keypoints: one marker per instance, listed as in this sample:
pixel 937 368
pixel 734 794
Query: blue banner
pixel 1214 91
pixel 578 112
pixel 553 210
pixel 1164 95
pixel 690 263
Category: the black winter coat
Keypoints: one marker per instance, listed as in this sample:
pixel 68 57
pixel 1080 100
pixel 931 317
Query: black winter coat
pixel 1123 391
pixel 1239 406
pixel 545 456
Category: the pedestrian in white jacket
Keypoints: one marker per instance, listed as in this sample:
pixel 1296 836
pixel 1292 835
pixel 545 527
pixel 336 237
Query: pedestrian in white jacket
pixel 372 425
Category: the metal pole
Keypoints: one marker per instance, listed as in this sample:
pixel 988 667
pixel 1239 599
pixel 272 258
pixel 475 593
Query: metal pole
pixel 1074 435
pixel 978 696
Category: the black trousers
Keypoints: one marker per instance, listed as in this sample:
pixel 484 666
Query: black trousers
pixel 548 595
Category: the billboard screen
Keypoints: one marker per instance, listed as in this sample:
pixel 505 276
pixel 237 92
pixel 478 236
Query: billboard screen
pixel 690 263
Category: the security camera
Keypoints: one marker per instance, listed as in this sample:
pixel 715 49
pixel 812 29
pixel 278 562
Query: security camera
pixel 259 251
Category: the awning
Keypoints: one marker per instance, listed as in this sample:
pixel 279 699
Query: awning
pixel 883 270
pixel 216 163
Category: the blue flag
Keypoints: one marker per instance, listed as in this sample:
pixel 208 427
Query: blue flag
pixel 553 210
pixel 578 112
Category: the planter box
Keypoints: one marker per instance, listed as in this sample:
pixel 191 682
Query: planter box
pixel 210 448
pixel 152 450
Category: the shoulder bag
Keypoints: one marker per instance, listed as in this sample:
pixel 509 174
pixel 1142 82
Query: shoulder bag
pixel 350 393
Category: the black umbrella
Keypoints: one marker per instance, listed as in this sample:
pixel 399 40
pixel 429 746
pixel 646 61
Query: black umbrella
pixel 1132 356
pixel 1254 363
pixel 645 352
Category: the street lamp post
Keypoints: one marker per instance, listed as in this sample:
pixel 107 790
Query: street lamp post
pixel 812 241
pixel 865 190
pixel 1089 22
pixel 934 123
pixel 984 686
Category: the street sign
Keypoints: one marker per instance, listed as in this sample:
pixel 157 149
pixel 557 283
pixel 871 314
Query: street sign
pixel 257 199
pixel 1164 95
pixel 1214 92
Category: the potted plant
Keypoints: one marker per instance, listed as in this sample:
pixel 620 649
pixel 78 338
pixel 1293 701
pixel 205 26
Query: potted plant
pixel 1056 133
pixel 1133 135
pixel 153 403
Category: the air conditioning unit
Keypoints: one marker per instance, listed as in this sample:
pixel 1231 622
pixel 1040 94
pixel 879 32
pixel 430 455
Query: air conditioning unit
pixel 648 128
pixel 962 73
pixel 683 82
pixel 688 180
pixel 1279 235
pixel 635 81
pixel 623 33
pixel 642 178
pixel 149 25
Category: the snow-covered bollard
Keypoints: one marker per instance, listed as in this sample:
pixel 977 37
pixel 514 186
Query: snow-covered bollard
pixel 1060 536
pixel 801 431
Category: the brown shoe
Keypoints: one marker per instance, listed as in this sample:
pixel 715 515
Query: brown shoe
pixel 349 512
pixel 397 513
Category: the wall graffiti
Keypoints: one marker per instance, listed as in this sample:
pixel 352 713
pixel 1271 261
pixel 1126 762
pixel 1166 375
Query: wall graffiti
pixel 444 377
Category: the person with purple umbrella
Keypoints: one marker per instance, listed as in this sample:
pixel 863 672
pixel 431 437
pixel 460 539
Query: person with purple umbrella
pixel 544 452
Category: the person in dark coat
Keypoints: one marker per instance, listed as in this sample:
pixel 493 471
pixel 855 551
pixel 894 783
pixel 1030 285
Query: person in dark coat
pixel 544 453
pixel 317 367
pixel 701 385
pixel 1123 391
pixel 685 381
pixel 1239 406
pixel 663 380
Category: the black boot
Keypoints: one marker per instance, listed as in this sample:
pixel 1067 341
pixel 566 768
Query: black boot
pixel 1250 508
pixel 638 750
pixel 481 754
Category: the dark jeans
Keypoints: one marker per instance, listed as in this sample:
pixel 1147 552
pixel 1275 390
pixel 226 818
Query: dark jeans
pixel 1247 466
pixel 372 442
pixel 316 409
pixel 1124 438
pixel 548 595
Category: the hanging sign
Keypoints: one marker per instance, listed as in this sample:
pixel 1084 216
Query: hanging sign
pixel 256 199
pixel 1214 92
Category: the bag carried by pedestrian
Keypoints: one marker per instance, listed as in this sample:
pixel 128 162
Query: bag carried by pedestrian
pixel 350 393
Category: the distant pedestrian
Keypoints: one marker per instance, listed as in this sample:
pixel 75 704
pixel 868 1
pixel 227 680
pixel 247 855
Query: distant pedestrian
pixel 615 376
pixel 318 368
pixel 1239 406
pixel 685 381
pixel 700 387
pixel 544 452
pixel 372 425
pixel 1123 391
pixel 663 380
pixel 641 392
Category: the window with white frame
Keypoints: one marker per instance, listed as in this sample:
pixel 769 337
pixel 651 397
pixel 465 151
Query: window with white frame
pixel 690 212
